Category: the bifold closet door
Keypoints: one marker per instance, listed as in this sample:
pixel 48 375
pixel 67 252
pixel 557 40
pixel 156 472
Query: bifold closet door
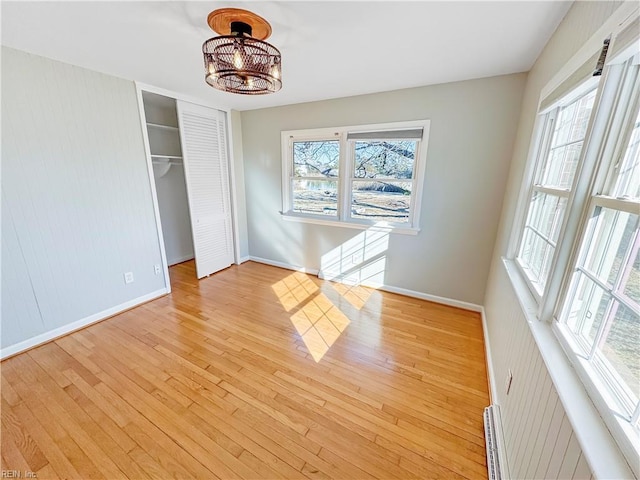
pixel 204 149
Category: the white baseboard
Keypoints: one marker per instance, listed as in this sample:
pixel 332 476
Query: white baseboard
pixel 77 325
pixel 493 391
pixel 431 298
pixel 311 271
pixel 175 261
pixel 243 260
pixel 387 288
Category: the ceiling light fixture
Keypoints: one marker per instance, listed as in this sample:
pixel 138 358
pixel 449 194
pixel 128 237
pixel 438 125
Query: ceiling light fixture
pixel 239 61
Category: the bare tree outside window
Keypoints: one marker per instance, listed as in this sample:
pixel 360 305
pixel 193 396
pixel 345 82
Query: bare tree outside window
pixel 382 179
pixel 315 177
pixel 359 175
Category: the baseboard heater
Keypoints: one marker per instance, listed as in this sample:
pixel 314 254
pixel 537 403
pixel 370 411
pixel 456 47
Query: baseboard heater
pixel 496 459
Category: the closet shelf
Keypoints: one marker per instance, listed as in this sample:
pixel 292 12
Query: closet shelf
pixel 170 157
pixel 157 125
pixel 168 164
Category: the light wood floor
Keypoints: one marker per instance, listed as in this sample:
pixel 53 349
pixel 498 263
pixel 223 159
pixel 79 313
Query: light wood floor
pixel 233 377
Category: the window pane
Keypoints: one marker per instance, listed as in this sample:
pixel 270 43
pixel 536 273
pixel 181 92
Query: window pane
pixel 573 119
pixel 540 235
pixel 628 182
pixel 563 124
pixel 536 256
pixel 620 345
pixel 607 317
pixel 315 196
pixel 386 201
pixel 384 159
pixel 587 309
pixel 609 238
pixel 631 284
pixel 545 214
pixel 562 166
pixel 316 158
pixel 566 144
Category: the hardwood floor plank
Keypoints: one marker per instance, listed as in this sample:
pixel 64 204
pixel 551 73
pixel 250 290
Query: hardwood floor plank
pixel 187 435
pixel 263 468
pixel 7 392
pixel 12 457
pixel 349 469
pixel 242 433
pixel 148 464
pixel 46 473
pixel 66 456
pixel 81 428
pixel 166 454
pixel 261 403
pixel 113 440
pixel 285 436
pixel 174 461
pixel 254 373
pixel 19 443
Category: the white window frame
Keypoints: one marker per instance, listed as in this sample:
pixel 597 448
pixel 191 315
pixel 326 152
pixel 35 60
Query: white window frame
pixel 546 310
pixel 346 175
pixel 611 399
pixel 545 128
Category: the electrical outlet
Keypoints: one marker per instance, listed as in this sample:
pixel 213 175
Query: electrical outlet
pixel 509 380
pixel 128 277
pixel 156 269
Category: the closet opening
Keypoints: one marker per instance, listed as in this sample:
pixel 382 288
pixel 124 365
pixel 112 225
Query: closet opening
pixel 168 174
pixel 188 148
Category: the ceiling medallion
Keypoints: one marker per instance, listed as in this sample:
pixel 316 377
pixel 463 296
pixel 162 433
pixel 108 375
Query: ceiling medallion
pixel 239 60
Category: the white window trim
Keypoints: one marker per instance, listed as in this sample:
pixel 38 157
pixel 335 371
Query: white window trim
pixel 543 137
pixel 604 455
pixel 603 437
pixel 344 179
pixel 610 399
pixel 596 390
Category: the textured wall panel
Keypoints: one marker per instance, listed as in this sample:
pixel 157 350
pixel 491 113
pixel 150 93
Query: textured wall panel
pixel 76 189
pixel 539 440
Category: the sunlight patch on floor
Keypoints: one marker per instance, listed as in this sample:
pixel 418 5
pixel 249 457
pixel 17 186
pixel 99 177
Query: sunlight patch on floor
pixel 356 295
pixel 294 289
pixel 317 320
pixel 319 323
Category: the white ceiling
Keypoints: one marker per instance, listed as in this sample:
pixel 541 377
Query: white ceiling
pixel 329 49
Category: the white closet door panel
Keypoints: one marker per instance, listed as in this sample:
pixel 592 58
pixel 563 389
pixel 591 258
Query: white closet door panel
pixel 206 174
pixel 222 136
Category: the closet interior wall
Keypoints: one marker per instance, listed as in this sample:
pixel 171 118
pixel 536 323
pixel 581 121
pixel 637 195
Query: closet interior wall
pixel 168 172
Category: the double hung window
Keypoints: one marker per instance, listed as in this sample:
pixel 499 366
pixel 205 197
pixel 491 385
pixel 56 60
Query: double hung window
pixel 563 138
pixel 579 241
pixel 356 176
pixel 600 317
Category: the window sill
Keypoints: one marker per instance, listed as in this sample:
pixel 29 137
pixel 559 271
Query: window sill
pixel 598 445
pixel 358 226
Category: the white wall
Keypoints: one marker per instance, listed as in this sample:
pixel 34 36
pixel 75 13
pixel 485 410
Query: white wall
pixel 473 125
pixel 512 344
pixel 171 190
pixel 238 163
pixel 76 199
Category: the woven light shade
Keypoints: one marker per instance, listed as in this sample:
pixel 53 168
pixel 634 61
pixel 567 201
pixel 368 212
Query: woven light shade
pixel 240 63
